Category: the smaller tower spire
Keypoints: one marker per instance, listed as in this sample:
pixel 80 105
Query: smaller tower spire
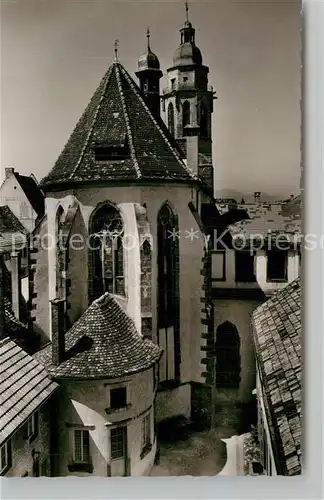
pixel 187 10
pixel 116 49
pixel 148 36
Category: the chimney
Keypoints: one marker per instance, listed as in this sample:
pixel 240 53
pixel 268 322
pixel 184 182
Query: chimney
pixel 192 147
pixel 9 171
pixel 58 330
pixel 16 283
pixel 2 306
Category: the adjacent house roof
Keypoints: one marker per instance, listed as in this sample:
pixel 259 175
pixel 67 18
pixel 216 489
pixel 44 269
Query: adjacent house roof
pixel 33 192
pixel 118 117
pixel 103 343
pixel 277 339
pixel 18 332
pixel 9 223
pixel 12 232
pixel 24 387
pixel 267 218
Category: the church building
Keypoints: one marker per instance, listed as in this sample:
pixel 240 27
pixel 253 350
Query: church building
pixel 123 226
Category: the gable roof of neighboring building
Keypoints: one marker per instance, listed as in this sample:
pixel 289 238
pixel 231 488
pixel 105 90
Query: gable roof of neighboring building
pixel 24 387
pixel 33 192
pixel 118 116
pixel 12 232
pixel 277 339
pixel 103 343
pixel 9 223
pixel 18 332
pixel 31 188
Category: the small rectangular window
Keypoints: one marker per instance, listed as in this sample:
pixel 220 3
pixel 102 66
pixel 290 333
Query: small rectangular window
pixel 173 82
pixel 146 431
pixel 244 267
pixel 31 427
pixel 218 266
pixel 118 442
pixel 5 457
pixel 81 451
pixel 118 398
pixel 277 265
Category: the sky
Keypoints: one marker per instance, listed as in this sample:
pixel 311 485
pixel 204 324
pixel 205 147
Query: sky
pixel 55 52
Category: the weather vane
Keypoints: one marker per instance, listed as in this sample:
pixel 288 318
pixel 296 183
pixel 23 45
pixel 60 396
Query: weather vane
pixel 187 9
pixel 116 49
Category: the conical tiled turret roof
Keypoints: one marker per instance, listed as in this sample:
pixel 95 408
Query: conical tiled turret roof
pixel 103 343
pixel 118 117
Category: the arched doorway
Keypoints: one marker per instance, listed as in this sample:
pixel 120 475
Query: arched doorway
pixel 228 359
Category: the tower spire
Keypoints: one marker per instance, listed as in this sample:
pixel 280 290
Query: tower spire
pixel 116 49
pixel 148 36
pixel 187 10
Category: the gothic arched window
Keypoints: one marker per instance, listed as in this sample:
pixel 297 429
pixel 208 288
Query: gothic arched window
pixel 228 360
pixel 60 252
pixel 146 277
pixel 146 288
pixel 203 120
pixel 186 113
pixel 168 294
pixel 106 243
pixel 171 118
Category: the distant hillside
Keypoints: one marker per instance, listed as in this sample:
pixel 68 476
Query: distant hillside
pixel 248 197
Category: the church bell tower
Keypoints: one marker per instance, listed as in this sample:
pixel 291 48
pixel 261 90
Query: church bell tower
pixel 188 100
pixel 149 75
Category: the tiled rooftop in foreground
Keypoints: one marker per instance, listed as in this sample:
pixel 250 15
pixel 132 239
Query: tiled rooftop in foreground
pixel 277 337
pixel 24 387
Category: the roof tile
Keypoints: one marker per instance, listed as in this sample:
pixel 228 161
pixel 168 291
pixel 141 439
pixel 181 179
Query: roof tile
pixel 22 390
pixel 281 379
pixel 103 343
pixel 118 114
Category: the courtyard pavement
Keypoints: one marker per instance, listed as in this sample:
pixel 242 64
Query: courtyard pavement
pixel 185 451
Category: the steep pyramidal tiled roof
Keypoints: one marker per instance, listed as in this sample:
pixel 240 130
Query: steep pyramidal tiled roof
pixel 103 343
pixel 277 338
pixel 24 387
pixel 118 116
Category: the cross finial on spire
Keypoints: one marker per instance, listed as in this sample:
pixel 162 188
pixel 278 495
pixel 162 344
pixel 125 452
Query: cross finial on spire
pixel 116 49
pixel 148 35
pixel 187 9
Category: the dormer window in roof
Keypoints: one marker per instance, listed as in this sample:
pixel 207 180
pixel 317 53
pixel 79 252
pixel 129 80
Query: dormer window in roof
pixel 113 151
